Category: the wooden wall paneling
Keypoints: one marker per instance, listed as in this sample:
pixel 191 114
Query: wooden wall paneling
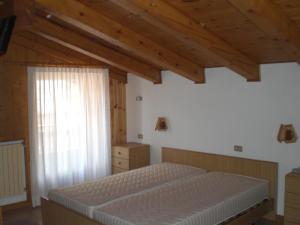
pixel 118 111
pixel 14 110
pixel 19 54
pixel 76 57
pixel 176 23
pixel 22 9
pixel 86 46
pixel 35 46
pixel 93 22
pixel 6 8
pixel 118 75
pixel 66 56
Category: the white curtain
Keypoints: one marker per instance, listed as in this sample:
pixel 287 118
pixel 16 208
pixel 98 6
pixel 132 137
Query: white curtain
pixel 69 127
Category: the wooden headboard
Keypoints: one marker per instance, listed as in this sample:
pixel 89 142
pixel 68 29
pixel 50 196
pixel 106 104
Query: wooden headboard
pixel 213 162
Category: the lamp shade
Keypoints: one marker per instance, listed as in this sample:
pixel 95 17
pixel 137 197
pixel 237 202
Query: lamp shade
pixel 287 134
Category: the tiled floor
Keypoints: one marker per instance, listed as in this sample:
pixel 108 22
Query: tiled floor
pixel 31 216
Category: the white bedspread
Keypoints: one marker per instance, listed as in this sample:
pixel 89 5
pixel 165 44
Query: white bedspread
pixel 83 198
pixel 207 200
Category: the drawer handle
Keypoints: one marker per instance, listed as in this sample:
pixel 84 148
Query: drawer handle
pixel 119 153
pixel 119 163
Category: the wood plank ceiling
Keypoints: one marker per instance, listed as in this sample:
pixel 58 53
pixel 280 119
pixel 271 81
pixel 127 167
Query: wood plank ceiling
pixel 144 37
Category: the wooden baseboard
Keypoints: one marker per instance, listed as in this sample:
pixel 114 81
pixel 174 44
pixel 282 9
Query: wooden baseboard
pixel 279 220
pixel 18 205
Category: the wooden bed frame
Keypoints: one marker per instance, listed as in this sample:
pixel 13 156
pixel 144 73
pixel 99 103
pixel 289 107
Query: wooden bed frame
pixel 56 214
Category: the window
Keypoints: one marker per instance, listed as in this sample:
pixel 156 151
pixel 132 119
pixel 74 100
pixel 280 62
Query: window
pixel 70 129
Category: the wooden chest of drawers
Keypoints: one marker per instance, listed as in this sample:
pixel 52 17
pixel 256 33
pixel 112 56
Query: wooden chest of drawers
pixel 129 156
pixel 292 199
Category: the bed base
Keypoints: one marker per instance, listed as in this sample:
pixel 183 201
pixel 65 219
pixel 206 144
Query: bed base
pixel 56 214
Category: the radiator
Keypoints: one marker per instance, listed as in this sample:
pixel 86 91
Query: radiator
pixel 12 172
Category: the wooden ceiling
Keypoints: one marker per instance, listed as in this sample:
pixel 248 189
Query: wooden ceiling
pixel 144 37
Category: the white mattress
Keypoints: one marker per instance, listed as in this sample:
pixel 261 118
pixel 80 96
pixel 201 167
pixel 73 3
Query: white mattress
pixel 83 198
pixel 208 199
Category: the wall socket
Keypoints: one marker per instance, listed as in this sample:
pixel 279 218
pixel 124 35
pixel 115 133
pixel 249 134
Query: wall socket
pixel 140 136
pixel 139 98
pixel 238 148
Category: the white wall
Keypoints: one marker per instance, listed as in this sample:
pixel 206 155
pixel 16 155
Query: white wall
pixel 223 112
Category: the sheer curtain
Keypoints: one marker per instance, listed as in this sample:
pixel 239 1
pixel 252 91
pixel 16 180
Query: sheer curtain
pixel 69 127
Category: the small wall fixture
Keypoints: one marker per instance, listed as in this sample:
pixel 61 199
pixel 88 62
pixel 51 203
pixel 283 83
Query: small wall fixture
pixel 161 124
pixel 287 134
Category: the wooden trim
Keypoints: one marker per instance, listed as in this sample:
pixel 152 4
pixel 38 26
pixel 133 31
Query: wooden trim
pixel 94 50
pixel 173 21
pixel 271 20
pixel 15 206
pixel 213 162
pixel 95 23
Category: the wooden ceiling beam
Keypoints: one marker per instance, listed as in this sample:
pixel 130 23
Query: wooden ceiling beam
pixel 166 17
pixel 94 50
pixel 271 19
pixel 95 23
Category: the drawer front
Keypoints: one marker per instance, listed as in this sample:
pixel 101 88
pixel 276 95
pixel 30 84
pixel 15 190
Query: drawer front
pixel 292 200
pixel 292 215
pixel 116 170
pixel 120 163
pixel 120 152
pixel 293 184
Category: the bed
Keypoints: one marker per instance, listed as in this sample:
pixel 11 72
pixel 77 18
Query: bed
pixel 55 213
pixel 84 198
